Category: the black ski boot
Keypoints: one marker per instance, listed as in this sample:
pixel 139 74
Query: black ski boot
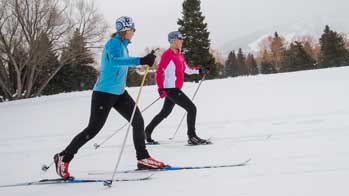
pixel 195 140
pixel 150 141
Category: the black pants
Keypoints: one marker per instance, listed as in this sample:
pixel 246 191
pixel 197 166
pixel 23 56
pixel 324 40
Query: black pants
pixel 175 96
pixel 101 105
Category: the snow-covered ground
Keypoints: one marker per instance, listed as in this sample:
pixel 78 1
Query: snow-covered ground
pixel 294 126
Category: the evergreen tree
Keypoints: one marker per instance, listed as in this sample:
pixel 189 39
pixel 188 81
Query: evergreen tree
pixel 310 49
pixel 296 59
pixel 333 52
pixel 231 65
pixel 242 68
pixel 251 65
pixel 196 37
pixel 48 62
pixel 77 74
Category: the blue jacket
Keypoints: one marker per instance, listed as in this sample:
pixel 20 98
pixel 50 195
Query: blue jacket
pixel 115 62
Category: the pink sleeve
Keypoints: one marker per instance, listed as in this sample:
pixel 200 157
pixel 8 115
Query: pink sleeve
pixel 161 68
pixel 191 70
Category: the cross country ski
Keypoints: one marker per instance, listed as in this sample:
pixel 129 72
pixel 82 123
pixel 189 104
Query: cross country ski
pixel 243 163
pixel 73 181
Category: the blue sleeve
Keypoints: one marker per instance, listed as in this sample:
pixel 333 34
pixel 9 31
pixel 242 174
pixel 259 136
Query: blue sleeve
pixel 117 58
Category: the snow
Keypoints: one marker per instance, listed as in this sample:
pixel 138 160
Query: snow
pixel 294 126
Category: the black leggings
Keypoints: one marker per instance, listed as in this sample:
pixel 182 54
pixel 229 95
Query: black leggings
pixel 175 96
pixel 101 105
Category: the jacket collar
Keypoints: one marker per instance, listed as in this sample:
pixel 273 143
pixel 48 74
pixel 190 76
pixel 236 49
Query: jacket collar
pixel 178 51
pixel 125 41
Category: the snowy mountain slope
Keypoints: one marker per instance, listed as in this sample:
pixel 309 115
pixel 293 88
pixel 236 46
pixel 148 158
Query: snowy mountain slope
pixel 294 126
pixel 313 26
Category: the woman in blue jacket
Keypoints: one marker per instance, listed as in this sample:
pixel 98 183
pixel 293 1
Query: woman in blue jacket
pixel 109 92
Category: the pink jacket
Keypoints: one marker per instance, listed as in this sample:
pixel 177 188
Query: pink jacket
pixel 171 69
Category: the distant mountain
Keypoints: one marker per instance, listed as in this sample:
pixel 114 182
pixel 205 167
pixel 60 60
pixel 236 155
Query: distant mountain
pixel 313 27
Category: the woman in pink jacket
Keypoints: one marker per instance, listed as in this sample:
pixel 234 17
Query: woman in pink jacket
pixel 170 78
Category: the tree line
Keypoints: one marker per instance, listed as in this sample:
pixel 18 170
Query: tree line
pixel 275 56
pixel 48 47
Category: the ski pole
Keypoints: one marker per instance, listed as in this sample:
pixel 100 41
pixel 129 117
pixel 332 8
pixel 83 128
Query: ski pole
pixel 180 123
pixel 109 182
pixel 118 130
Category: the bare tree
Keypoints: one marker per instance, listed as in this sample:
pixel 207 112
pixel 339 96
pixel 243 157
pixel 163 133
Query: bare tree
pixel 85 17
pixel 277 48
pixel 23 23
pixel 265 43
pixel 91 24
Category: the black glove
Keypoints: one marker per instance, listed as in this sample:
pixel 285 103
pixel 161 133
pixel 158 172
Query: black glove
pixel 148 59
pixel 204 71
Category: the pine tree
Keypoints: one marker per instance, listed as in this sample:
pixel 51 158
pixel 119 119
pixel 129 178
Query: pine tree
pixel 196 43
pixel 251 64
pixel 231 65
pixel 84 76
pixel 47 64
pixel 296 59
pixel 333 52
pixel 77 74
pixel 242 68
pixel 310 45
pixel 266 64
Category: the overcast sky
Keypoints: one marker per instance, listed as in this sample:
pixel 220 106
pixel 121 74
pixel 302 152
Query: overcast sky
pixel 227 19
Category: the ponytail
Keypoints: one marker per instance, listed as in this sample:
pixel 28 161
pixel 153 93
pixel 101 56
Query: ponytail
pixel 113 34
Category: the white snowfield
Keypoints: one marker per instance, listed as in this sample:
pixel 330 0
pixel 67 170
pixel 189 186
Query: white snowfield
pixel 294 126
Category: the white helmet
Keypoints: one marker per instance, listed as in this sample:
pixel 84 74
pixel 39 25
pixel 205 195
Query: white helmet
pixel 124 23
